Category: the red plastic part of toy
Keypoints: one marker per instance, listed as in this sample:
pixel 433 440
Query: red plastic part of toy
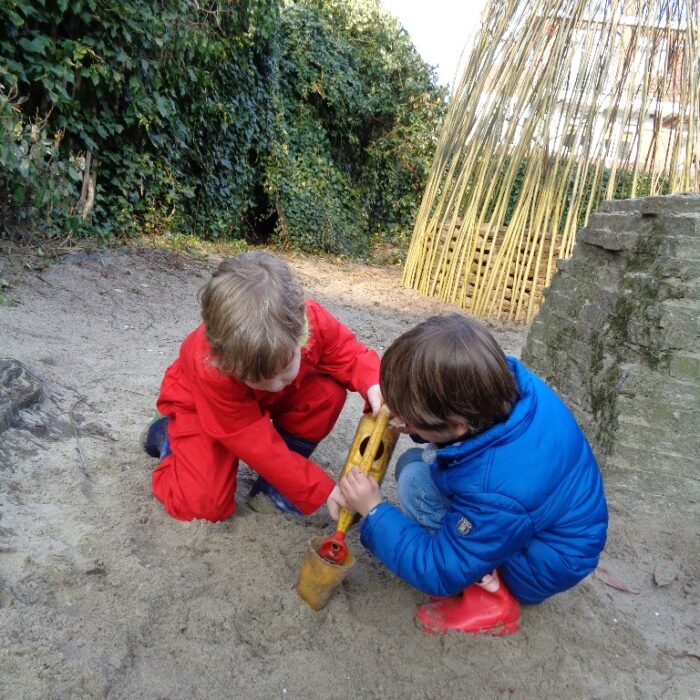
pixel 334 549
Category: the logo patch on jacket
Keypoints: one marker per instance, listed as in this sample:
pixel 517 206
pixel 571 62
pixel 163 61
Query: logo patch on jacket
pixel 463 526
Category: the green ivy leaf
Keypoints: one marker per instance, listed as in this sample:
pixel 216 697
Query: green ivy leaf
pixel 163 106
pixel 36 45
pixel 18 194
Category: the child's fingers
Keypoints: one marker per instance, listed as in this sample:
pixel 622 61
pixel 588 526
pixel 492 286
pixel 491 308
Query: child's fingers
pixel 347 485
pixel 357 476
pixel 333 509
pixel 374 398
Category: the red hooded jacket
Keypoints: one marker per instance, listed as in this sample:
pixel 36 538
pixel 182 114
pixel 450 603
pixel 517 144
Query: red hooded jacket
pixel 202 399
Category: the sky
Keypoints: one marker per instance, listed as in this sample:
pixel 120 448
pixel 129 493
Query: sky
pixel 439 29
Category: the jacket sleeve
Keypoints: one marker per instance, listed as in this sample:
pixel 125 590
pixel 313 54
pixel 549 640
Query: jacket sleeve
pixel 342 356
pixel 234 419
pixel 474 539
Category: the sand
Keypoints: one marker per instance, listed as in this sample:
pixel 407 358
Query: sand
pixel 102 595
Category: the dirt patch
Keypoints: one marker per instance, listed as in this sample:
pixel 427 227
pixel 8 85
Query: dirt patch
pixel 104 596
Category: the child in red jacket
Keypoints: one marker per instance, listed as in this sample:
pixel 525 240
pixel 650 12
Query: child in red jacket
pixel 262 380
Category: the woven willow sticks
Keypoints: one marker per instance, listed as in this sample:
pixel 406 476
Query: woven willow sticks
pixel 562 103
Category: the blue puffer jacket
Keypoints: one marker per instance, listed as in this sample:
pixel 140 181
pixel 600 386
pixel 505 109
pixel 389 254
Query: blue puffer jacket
pixel 527 498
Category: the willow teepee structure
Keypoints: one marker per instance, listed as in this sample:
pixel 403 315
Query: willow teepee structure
pixel 562 103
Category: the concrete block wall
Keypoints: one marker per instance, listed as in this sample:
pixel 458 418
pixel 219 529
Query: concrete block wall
pixel 618 338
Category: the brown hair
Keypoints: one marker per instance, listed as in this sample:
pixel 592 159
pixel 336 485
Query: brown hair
pixel 447 368
pixel 253 311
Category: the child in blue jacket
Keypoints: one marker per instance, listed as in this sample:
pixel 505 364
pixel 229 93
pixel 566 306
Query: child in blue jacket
pixel 505 505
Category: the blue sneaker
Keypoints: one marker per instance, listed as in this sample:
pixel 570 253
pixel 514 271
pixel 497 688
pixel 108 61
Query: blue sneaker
pixel 156 437
pixel 281 503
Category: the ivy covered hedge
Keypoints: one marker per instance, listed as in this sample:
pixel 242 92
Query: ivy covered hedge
pixel 309 122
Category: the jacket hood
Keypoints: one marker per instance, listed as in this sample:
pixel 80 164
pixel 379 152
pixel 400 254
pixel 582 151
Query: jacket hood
pixel 505 431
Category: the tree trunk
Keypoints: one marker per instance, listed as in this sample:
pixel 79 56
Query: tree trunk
pixel 87 195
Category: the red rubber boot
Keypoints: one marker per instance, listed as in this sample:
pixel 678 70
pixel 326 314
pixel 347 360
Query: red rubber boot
pixel 486 607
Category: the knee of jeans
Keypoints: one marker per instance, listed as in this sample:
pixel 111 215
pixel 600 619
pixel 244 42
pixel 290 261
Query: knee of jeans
pixel 413 454
pixel 410 483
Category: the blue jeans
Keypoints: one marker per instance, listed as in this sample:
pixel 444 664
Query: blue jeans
pixel 418 495
pixel 165 448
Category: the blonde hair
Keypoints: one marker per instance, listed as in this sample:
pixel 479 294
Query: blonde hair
pixel 254 317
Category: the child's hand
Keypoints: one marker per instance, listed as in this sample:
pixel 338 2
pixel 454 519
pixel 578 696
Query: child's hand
pixel 374 398
pixel 361 493
pixel 335 502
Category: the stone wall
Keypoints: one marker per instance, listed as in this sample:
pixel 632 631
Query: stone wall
pixel 617 338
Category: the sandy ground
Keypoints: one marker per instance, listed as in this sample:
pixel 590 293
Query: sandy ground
pixel 104 596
